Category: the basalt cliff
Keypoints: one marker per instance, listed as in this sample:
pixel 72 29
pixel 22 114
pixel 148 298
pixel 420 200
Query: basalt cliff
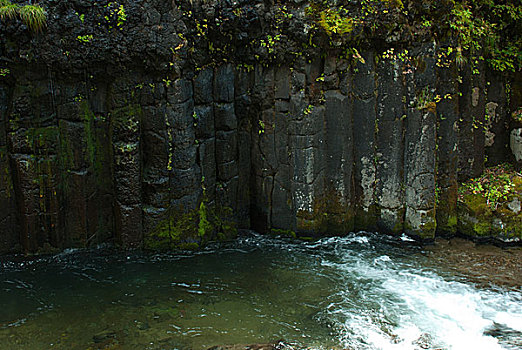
pixel 170 123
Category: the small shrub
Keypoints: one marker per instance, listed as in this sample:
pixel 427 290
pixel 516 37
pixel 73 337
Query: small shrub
pixel 427 100
pixel 495 185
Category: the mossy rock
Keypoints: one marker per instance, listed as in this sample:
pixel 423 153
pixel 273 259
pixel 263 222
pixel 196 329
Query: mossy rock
pixel 188 246
pixel 478 221
pixel 283 233
pixel 425 226
pixel 329 216
pixel 192 229
pixel 480 217
pixel 427 230
pixel 46 137
pixel 390 221
pixel 306 238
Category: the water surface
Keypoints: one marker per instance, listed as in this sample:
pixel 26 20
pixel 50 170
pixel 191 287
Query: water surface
pixel 362 291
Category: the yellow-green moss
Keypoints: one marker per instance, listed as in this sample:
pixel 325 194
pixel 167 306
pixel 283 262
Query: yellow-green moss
pixel 187 246
pixel 96 152
pixel 452 222
pixel 446 221
pixel 88 123
pixel 333 22
pixel 482 228
pixel 427 230
pixel 483 204
pixel 193 228
pixel 477 204
pixel 42 137
pixel 204 226
pixel 497 185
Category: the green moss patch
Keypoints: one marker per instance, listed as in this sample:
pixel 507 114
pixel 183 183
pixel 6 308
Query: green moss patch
pixel 189 230
pixel 489 205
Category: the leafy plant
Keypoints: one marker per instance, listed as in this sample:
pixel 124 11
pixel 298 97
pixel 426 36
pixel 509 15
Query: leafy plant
pixel 495 185
pixel 309 109
pixel 337 21
pixel 427 100
pixel 489 30
pixel 122 16
pixel 261 127
pixel 84 38
pixel 517 115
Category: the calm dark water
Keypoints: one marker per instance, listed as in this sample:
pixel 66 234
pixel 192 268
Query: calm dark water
pixel 363 291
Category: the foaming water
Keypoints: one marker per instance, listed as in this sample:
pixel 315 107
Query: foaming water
pixel 419 308
pixel 362 291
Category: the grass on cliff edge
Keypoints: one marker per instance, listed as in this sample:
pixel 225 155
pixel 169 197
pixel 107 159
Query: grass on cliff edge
pixel 33 16
pixel 497 185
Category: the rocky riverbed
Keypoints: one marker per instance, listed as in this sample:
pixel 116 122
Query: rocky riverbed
pixel 485 264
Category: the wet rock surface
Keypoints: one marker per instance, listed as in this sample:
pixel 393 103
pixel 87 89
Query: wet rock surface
pixel 484 264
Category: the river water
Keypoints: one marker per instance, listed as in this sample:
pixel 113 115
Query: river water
pixel 362 291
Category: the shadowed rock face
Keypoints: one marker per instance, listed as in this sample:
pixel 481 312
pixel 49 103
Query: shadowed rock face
pixel 118 136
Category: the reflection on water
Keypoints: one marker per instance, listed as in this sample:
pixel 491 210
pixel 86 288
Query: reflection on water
pixel 363 291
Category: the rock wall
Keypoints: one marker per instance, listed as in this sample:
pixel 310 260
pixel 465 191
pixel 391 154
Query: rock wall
pixel 129 131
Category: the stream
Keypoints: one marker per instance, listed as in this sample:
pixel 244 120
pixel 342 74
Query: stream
pixel 361 291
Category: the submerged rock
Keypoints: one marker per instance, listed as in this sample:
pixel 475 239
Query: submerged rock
pixel 104 336
pixel 484 264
